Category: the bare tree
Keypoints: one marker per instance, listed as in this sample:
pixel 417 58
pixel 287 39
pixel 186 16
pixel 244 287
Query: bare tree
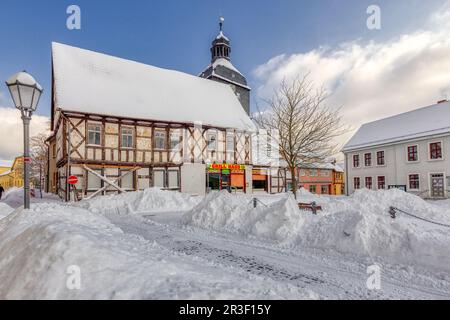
pixel 307 126
pixel 39 154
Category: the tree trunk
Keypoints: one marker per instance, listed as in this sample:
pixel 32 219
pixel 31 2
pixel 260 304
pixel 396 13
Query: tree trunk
pixel 294 181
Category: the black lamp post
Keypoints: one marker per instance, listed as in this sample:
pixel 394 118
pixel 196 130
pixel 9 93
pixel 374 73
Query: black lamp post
pixel 25 93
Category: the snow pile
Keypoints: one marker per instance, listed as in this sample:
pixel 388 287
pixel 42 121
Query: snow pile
pixel 279 221
pixel 5 210
pixel 14 197
pixel 43 250
pixel 361 224
pixel 149 200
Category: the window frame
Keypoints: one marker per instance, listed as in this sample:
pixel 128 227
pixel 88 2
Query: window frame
pixel 408 153
pixel 356 186
pixel 128 135
pixel 378 182
pixel 157 134
pixel 409 181
pixel 358 160
pixel 178 136
pixel 441 150
pixel 371 183
pixel 370 159
pixel 384 158
pixel 89 124
pixel 208 141
pixel 228 141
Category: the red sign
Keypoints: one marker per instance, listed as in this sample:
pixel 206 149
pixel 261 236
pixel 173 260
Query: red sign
pixel 72 180
pixel 26 159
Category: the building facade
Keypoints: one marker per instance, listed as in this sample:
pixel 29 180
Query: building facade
pixel 321 178
pixel 119 125
pixel 410 151
pixel 12 177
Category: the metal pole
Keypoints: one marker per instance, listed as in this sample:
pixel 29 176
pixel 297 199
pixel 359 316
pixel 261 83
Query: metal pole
pixel 26 163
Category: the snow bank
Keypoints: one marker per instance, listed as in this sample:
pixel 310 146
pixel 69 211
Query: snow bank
pixel 279 221
pixel 152 199
pixel 40 247
pixel 360 224
pixel 5 210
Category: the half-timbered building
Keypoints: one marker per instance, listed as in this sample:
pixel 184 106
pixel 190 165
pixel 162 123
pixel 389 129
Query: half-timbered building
pixel 120 125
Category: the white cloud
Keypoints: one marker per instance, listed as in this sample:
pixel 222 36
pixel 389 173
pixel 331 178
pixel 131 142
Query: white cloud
pixel 372 80
pixel 11 132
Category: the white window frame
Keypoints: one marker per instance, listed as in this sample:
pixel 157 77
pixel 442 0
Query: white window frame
pixel 95 131
pixel 178 136
pixel 372 184
pixel 354 187
pixel 122 135
pixel 385 184
pixel 209 136
pixel 230 139
pixel 158 132
pixel 429 151
pixel 353 161
pixel 418 153
pixel 376 158
pixel 408 180
pixel 371 159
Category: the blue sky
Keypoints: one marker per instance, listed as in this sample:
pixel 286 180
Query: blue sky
pixel 177 34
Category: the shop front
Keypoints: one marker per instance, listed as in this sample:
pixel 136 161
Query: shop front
pixel 260 179
pixel 223 176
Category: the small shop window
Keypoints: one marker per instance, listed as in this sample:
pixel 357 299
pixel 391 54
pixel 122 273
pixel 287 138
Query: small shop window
pixel 312 189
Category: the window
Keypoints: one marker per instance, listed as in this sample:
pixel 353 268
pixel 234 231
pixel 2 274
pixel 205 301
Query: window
pixel 413 181
pixel 324 173
pixel 381 182
pixel 174 141
pixel 160 140
pixel 127 138
pixel 413 154
pixel 368 159
pixel 325 190
pixel 230 142
pixel 380 158
pixel 212 141
pixel 356 161
pixel 312 189
pixel 435 151
pixel 313 172
pixel 369 182
pixel 94 134
pixel 356 183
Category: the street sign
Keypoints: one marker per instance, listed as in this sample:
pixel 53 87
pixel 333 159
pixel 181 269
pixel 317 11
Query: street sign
pixel 72 180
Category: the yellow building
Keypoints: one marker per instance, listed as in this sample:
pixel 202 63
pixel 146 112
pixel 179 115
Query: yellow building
pixel 12 176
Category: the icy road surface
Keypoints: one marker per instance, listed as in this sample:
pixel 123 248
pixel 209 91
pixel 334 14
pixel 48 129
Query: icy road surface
pixel 327 273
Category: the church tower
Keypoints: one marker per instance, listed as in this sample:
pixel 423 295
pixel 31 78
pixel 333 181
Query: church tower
pixel 222 70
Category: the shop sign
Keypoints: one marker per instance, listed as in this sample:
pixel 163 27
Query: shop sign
pixel 226 166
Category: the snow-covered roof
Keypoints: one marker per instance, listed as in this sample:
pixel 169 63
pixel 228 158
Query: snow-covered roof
pixel 91 82
pixel 6 173
pixel 419 123
pixel 225 63
pixel 323 166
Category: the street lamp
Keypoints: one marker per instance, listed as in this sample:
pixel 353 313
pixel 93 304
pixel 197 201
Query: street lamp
pixel 25 93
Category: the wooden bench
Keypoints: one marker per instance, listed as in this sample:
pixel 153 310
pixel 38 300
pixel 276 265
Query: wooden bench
pixel 310 206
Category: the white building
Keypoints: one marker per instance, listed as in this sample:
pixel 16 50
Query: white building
pixel 410 151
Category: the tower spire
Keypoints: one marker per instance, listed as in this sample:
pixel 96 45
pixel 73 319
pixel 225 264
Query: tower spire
pixel 221 21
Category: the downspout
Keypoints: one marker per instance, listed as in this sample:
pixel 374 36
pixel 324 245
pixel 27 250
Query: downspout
pixel 346 174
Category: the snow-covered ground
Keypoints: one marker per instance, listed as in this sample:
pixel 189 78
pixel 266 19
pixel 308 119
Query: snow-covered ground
pixel 165 245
